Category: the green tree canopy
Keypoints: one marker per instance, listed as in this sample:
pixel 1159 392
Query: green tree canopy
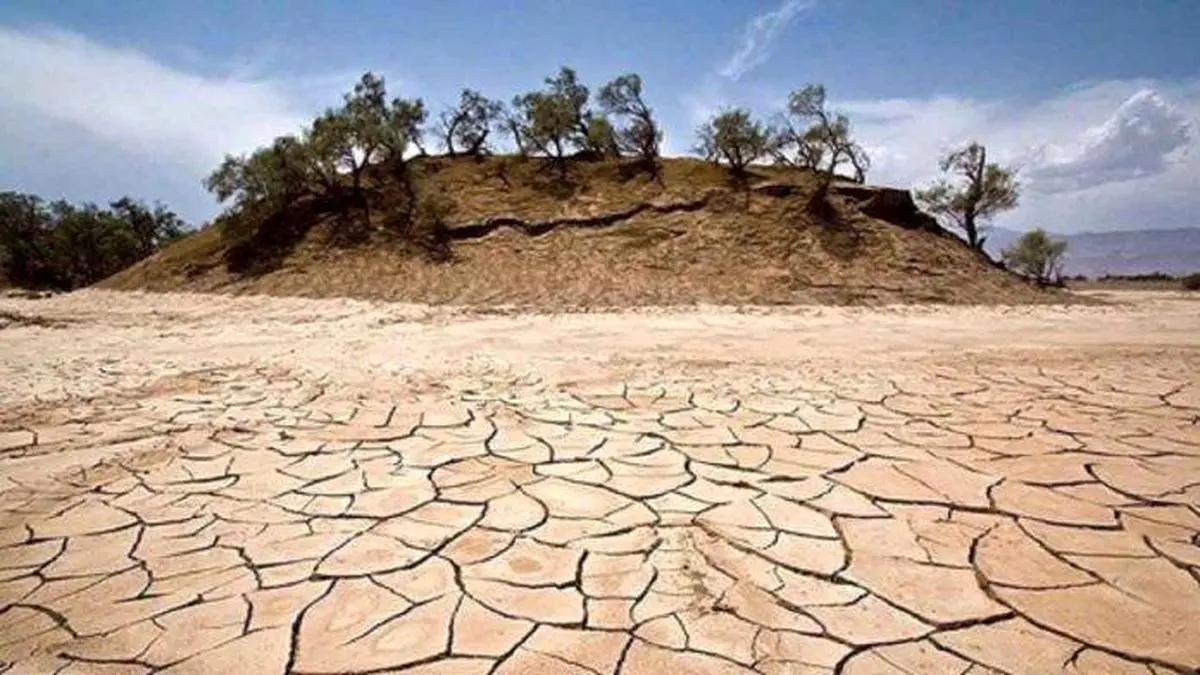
pixel 63 246
pixel 1036 256
pixel 556 120
pixel 734 137
pixel 331 158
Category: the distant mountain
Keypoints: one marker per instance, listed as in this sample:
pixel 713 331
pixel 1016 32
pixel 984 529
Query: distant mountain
pixel 1130 252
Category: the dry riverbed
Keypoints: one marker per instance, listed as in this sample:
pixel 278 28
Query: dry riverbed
pixel 246 484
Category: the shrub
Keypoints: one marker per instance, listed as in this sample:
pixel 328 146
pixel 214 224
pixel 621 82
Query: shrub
pixel 1036 256
pixel 1152 276
pixel 1191 282
pixel 430 214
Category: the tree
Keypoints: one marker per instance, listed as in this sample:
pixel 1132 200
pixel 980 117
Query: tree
pixel 792 147
pixel 335 145
pixel 622 99
pixel 90 242
pixel 573 97
pixel 984 190
pixel 60 245
pixel 556 120
pixel 544 124
pixel 512 123
pixel 602 137
pixel 24 246
pixel 374 131
pixel 1036 256
pixel 150 230
pixel 271 177
pixel 401 131
pixel 332 158
pixel 352 139
pixel 466 126
pixel 810 136
pixel 733 136
pixel 379 131
pixel 343 145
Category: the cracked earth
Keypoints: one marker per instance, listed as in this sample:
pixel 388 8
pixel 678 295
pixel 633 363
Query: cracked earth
pixel 193 484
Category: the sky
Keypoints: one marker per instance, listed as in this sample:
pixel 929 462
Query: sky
pixel 1096 103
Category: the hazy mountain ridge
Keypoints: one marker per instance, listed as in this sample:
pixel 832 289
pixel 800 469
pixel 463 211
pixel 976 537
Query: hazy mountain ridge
pixel 1174 251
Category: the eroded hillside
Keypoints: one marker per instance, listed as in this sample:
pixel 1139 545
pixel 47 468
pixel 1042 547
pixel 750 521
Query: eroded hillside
pixel 605 234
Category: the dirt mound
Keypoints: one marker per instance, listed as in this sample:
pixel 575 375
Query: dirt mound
pixel 607 235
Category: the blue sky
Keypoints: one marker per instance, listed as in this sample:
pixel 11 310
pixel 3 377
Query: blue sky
pixel 1097 103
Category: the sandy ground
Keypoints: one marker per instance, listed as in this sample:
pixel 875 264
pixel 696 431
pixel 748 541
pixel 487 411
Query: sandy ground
pixel 203 483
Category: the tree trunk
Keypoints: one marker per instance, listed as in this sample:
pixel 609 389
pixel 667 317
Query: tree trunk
pixel 860 176
pixel 735 161
pixel 818 204
pixel 477 147
pixel 366 211
pixel 518 140
pixel 975 196
pixel 971 230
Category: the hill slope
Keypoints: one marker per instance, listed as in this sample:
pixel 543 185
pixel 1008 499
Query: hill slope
pixel 608 236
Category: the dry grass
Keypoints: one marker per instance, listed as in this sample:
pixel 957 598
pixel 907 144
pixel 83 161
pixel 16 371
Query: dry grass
pixel 740 248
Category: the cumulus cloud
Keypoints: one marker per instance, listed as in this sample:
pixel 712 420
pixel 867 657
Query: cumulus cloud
pixel 904 137
pixel 1108 155
pixel 758 37
pixel 1138 140
pixel 86 120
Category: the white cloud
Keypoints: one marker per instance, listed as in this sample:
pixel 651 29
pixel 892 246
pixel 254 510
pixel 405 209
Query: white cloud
pixel 758 37
pixel 123 96
pixel 1106 155
pixel 1138 140
pixel 85 120
pixel 152 124
pixel 754 49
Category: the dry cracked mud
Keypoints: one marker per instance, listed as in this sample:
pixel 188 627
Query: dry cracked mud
pixel 195 484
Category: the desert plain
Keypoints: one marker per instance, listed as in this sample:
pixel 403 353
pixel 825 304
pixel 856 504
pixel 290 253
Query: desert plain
pixel 206 484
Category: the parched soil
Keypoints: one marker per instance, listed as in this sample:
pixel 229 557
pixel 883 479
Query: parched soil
pixel 202 484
